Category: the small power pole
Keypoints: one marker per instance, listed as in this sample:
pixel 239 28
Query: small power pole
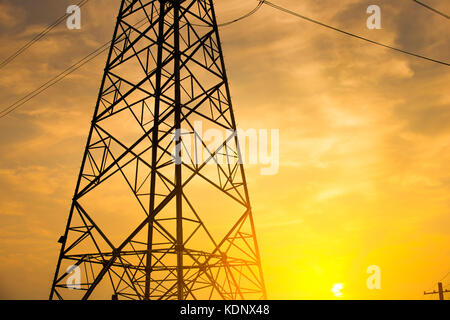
pixel 440 291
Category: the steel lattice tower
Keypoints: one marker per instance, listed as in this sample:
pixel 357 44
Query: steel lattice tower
pixel 143 224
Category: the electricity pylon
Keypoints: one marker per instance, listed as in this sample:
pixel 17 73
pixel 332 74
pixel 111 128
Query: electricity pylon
pixel 154 217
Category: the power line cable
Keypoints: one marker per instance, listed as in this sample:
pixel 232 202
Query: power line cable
pixel 87 59
pixel 268 3
pixel 444 276
pixel 52 82
pixel 104 47
pixel 432 9
pixel 434 282
pixel 62 75
pixel 38 37
pixel 245 16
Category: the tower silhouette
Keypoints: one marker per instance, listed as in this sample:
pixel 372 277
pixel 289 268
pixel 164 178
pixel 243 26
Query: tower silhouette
pixel 160 212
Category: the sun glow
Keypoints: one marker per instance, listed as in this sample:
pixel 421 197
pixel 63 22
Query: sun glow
pixel 337 289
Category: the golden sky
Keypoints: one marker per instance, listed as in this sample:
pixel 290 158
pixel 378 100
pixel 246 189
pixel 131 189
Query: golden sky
pixel 364 173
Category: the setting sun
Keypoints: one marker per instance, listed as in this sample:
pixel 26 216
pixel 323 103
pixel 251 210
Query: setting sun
pixel 337 289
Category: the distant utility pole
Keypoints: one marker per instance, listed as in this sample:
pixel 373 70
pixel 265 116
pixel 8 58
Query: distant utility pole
pixel 440 291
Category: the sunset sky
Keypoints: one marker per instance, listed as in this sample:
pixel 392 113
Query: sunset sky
pixel 364 174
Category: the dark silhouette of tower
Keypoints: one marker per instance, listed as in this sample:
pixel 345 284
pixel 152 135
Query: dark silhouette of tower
pixel 153 216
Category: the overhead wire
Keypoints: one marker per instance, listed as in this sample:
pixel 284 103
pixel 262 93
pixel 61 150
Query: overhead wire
pixel 245 16
pixel 104 47
pixel 61 75
pixel 224 24
pixel 268 3
pixel 431 9
pixel 448 273
pixel 38 37
pixel 85 60
pixel 433 285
